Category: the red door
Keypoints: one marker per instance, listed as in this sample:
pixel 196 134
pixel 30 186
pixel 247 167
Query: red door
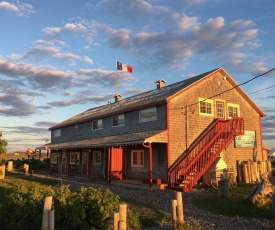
pixel 220 113
pixel 116 163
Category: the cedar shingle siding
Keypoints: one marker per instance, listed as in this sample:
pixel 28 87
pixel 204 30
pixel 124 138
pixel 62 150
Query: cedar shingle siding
pixel 168 139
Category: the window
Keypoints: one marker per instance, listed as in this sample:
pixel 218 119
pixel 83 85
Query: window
pixel 96 157
pixel 137 158
pixel 206 107
pixel 97 124
pixel 118 120
pixel 233 110
pixel 54 158
pixel 74 157
pixel 149 114
pixel 57 133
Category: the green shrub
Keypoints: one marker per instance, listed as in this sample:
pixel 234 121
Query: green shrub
pixel 87 208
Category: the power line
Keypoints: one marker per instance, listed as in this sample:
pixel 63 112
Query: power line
pixel 261 90
pixel 260 75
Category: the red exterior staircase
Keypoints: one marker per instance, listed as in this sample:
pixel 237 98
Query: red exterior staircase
pixel 188 169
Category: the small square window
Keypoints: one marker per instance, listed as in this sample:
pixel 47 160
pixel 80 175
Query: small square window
pixel 74 158
pixel 118 120
pixel 96 157
pixel 57 133
pixel 206 107
pixel 233 110
pixel 97 124
pixel 137 158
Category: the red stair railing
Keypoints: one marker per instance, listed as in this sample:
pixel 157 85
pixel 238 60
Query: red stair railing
pixel 193 164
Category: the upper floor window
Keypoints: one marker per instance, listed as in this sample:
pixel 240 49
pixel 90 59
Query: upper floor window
pixel 206 107
pixel 118 120
pixel 57 133
pixel 233 110
pixel 96 157
pixel 137 158
pixel 149 114
pixel 97 124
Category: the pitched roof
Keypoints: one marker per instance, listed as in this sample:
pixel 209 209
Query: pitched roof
pixel 149 98
pixel 158 136
pixel 143 100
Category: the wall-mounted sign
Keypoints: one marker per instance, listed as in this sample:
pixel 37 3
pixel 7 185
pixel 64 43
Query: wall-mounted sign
pixel 246 140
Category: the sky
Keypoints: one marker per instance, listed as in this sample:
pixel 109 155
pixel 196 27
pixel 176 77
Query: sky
pixel 57 58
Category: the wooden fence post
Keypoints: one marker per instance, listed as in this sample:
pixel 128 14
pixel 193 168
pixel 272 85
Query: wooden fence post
pixel 116 220
pixel 249 171
pixel 51 219
pixel 47 217
pixel 180 207
pixel 244 172
pixel 122 216
pixel 174 213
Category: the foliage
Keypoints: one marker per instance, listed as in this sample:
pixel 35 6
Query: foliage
pixel 87 208
pixel 3 145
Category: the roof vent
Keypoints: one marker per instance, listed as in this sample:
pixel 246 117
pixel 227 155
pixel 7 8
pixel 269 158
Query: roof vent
pixel 160 83
pixel 117 97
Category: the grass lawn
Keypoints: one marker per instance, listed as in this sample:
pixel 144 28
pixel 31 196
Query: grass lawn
pixel 236 205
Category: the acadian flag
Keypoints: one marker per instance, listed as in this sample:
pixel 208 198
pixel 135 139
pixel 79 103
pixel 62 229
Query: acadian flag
pixel 123 67
pixel 30 152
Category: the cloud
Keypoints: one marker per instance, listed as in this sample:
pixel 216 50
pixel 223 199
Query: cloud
pixel 12 104
pixel 19 9
pixel 39 77
pixel 86 59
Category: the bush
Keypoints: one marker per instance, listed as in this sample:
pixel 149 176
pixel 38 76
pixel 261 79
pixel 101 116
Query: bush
pixel 87 208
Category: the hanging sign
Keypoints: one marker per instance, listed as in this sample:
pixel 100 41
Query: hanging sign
pixel 246 140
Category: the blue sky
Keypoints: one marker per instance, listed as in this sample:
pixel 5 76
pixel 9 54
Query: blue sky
pixel 57 58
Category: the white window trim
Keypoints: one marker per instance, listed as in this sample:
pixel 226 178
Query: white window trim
pixel 234 106
pixel 97 124
pixel 94 157
pixel 132 158
pixel 212 107
pixel 154 118
pixel 118 124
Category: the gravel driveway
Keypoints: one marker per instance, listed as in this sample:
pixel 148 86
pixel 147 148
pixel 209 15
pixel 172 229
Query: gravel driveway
pixel 161 199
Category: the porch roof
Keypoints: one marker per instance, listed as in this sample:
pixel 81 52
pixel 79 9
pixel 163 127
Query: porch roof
pixel 158 136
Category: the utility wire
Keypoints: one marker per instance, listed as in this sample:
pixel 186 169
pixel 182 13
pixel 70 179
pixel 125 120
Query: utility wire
pixel 260 75
pixel 261 90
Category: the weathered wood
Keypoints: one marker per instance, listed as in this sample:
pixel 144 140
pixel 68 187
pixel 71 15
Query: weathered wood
pixel 122 216
pixel 180 207
pixel 46 209
pixel 269 167
pixel 244 172
pixel 174 213
pixel 249 171
pixel 253 172
pixel 239 172
pixel 224 188
pixel 51 219
pixel 116 220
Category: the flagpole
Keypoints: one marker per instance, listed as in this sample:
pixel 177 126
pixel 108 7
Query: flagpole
pixel 116 77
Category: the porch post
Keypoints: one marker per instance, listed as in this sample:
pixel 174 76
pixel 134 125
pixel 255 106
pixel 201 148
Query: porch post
pixel 89 163
pixel 47 161
pixel 57 162
pixel 109 165
pixel 150 162
pixel 150 166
